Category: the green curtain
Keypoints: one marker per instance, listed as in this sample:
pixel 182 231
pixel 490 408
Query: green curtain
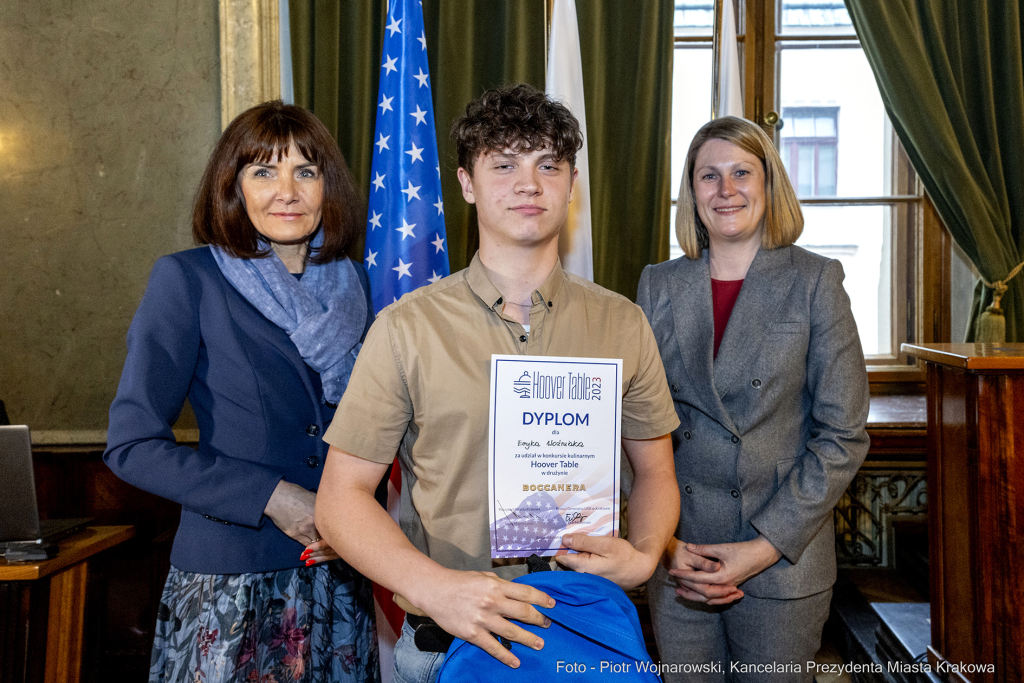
pixel 474 45
pixel 950 73
pixel 336 49
pixel 627 84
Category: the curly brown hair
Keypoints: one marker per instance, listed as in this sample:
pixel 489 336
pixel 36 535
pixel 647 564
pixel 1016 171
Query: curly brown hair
pixel 518 119
pixel 255 136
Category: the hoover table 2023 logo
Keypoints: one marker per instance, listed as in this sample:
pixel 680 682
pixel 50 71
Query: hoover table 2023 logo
pixel 575 386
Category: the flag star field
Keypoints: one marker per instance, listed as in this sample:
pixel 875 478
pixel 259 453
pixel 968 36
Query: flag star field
pixel 406 243
pixel 538 527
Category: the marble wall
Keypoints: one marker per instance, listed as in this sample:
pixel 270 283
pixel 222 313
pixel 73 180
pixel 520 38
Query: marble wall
pixel 108 111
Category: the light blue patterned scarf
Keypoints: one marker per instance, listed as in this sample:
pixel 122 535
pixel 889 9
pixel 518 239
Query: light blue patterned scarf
pixel 324 313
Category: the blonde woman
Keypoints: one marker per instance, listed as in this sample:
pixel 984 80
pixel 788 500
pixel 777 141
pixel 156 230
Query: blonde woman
pixel 766 369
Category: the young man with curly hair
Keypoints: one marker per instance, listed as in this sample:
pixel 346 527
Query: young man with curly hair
pixel 420 388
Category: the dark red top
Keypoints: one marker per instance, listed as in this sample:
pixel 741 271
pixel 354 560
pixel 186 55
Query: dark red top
pixel 723 298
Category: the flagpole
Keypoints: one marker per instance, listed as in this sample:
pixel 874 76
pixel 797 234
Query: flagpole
pixel 549 11
pixel 716 58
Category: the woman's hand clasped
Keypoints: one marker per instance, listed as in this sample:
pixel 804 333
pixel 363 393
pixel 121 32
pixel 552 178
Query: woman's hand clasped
pixel 318 551
pixel 712 574
pixel 291 509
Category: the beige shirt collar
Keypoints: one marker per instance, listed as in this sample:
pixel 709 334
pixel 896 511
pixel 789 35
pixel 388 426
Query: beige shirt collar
pixel 485 290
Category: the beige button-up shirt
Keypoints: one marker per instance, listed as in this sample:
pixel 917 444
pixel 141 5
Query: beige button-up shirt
pixel 420 389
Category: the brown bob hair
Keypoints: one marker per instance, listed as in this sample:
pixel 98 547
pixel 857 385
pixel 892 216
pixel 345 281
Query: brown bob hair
pixel 258 135
pixel 783 219
pixel 518 118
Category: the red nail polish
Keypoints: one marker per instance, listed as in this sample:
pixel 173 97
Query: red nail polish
pixel 309 562
pixel 304 555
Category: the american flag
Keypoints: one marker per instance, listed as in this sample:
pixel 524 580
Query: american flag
pixel 406 243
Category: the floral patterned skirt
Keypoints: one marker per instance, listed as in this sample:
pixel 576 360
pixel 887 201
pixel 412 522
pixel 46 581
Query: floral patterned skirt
pixel 312 624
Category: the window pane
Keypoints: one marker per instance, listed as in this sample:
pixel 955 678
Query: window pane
pixel 826 170
pixel 803 127
pixel 805 171
pixel 691 103
pixel 694 17
pixel 814 17
pixel 787 156
pixel 825 127
pixel 840 79
pixel 961 284
pixel 860 237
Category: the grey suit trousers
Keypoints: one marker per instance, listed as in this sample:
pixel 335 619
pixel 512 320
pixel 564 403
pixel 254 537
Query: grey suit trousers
pixel 753 639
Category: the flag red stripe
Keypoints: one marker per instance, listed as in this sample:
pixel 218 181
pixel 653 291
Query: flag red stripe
pixel 385 598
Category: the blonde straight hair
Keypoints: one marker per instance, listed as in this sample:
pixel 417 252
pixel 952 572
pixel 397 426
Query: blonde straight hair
pixel 783 219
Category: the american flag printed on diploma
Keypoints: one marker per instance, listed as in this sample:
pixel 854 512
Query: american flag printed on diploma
pixel 535 526
pixel 406 243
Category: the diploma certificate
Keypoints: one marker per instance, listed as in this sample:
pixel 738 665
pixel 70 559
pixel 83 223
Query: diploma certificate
pixel 553 455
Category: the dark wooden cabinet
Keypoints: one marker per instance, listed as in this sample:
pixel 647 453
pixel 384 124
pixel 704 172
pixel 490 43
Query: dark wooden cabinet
pixel 124 583
pixel 976 508
pixel 35 649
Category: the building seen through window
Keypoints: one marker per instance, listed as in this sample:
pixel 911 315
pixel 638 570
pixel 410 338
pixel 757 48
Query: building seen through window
pixel 809 142
pixel 694 17
pixel 814 15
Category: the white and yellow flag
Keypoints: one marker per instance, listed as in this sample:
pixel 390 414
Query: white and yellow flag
pixel 565 84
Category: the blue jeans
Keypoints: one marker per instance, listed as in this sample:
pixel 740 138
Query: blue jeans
pixel 411 665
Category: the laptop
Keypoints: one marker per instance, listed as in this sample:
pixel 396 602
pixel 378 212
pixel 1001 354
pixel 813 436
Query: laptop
pixel 20 528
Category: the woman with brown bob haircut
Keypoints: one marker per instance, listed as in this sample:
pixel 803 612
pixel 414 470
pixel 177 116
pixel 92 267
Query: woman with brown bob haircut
pixel 219 216
pixel 764 362
pixel 258 330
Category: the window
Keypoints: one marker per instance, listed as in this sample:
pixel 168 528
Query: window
pixel 862 201
pixel 809 142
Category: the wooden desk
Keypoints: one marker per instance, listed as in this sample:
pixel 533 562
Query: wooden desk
pixel 976 506
pixel 65 581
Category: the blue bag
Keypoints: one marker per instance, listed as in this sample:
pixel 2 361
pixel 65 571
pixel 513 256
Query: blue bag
pixel 594 632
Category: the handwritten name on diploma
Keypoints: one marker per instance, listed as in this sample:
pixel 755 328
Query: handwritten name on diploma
pixel 527 445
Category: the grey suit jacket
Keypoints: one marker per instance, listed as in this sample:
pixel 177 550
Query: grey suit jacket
pixel 773 430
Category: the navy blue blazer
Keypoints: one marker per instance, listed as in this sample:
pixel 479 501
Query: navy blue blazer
pixel 260 412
